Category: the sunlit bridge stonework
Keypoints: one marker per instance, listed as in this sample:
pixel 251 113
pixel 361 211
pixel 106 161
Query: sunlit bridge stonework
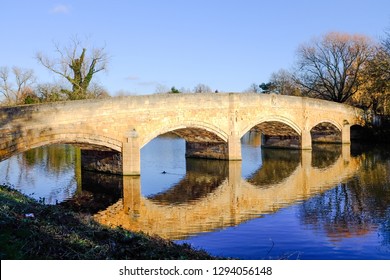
pixel 211 124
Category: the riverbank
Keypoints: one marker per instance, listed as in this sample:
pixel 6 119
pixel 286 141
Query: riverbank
pixel 31 230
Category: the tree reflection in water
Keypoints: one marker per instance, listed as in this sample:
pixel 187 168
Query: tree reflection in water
pixel 357 207
pixel 49 173
pixel 54 159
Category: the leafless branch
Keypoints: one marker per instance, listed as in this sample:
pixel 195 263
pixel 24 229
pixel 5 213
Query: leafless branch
pixel 76 64
pixel 14 93
pixel 331 67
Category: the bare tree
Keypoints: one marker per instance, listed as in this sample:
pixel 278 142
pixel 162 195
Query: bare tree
pixel 50 92
pixel 329 68
pixel 185 90
pixel 161 89
pixel 386 42
pixel 284 83
pixel 202 88
pixel 253 88
pixel 97 91
pixel 76 66
pixel 16 91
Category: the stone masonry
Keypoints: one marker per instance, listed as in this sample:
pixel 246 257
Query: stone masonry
pixel 214 121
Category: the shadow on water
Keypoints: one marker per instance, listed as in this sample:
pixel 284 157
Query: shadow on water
pixel 97 192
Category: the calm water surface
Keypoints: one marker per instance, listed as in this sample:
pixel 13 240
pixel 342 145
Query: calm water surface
pixel 326 204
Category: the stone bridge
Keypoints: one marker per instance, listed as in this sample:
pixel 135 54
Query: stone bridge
pixel 211 124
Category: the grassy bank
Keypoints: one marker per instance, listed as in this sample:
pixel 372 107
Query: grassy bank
pixel 30 230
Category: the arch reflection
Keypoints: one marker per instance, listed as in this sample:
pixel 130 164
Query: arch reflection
pixel 325 155
pixel 202 177
pixel 230 203
pixel 278 164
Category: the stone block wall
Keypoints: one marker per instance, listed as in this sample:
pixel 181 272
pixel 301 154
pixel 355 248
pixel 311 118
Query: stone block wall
pixel 102 161
pixel 207 150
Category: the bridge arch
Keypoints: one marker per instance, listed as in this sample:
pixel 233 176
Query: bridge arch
pixel 219 134
pixel 277 131
pixel 273 118
pixel 84 139
pixel 326 131
pixel 333 122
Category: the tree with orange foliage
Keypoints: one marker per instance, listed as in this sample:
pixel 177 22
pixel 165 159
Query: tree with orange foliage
pixel 375 92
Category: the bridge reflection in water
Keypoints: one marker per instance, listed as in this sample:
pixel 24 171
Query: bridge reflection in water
pixel 213 194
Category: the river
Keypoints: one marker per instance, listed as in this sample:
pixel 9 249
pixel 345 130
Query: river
pixel 330 203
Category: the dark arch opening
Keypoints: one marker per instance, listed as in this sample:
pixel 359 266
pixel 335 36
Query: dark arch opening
pixel 200 143
pixel 170 160
pixel 360 137
pixel 359 133
pixel 272 163
pixel 325 132
pixel 277 134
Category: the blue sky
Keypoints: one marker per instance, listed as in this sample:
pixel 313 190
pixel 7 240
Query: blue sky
pixel 225 44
